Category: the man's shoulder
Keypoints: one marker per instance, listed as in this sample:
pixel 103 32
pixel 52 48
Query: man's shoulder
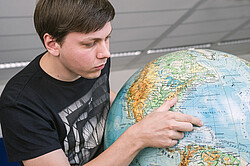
pixel 16 85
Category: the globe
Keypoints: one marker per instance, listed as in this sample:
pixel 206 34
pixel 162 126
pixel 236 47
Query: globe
pixel 211 85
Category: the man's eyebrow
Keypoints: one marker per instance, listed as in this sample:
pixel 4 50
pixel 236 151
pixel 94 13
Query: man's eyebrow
pixel 95 39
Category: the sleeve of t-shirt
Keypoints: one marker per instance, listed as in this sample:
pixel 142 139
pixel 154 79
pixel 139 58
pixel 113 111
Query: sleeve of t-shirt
pixel 28 133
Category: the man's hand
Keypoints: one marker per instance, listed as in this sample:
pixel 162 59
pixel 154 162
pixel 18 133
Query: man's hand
pixel 163 128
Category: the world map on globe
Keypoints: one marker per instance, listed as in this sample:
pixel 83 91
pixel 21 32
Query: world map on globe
pixel 211 85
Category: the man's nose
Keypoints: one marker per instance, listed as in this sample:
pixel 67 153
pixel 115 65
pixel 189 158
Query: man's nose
pixel 103 51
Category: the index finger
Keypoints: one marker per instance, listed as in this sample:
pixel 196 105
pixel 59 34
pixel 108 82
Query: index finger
pixel 190 119
pixel 167 104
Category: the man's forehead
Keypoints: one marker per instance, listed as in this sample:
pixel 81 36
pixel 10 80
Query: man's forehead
pixel 100 34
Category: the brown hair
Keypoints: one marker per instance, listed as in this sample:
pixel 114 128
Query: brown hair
pixel 60 17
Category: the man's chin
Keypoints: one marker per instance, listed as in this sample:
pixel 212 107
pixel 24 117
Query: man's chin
pixel 92 75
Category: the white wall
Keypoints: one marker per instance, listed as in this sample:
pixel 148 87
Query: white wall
pixel 245 56
pixel 1 88
pixel 118 78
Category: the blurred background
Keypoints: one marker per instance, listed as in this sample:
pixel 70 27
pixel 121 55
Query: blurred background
pixel 142 31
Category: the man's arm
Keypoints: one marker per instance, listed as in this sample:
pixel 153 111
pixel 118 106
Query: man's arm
pixel 161 128
pixel 54 158
pixel 112 96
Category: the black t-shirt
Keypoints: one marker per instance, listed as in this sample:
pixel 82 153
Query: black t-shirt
pixel 39 114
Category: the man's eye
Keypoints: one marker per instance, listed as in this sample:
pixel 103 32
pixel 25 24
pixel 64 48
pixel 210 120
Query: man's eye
pixel 89 44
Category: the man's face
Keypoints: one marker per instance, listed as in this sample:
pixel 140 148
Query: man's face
pixel 86 54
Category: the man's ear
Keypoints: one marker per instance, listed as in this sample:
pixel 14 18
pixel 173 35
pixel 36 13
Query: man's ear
pixel 51 45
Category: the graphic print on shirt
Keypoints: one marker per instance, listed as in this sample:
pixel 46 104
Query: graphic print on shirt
pixel 85 121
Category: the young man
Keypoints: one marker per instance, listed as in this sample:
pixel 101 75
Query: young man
pixel 53 112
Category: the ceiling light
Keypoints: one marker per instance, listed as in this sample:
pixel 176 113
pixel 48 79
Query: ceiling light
pixel 13 65
pixel 223 43
pixel 132 53
pixel 162 50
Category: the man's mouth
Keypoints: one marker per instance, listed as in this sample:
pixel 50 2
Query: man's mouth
pixel 100 67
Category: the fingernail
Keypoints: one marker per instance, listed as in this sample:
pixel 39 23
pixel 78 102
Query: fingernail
pixel 201 123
